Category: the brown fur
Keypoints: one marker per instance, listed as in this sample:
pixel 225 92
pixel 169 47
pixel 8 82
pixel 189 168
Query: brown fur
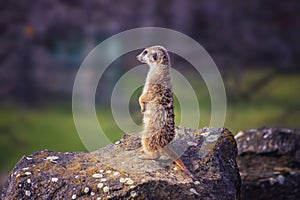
pixel 156 104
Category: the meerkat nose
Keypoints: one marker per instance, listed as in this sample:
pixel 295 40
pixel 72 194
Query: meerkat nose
pixel 139 58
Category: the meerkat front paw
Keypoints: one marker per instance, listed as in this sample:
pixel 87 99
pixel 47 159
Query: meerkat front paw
pixel 142 103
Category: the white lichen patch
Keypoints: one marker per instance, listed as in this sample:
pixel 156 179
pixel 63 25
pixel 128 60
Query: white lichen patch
pixel 86 190
pixel 196 182
pixel 74 196
pixel 108 171
pixel 143 180
pixel 117 142
pixel 292 172
pixel 129 181
pixel 54 179
pixel 25 168
pixel 92 193
pixel 52 158
pixel 175 168
pixel 28 181
pixel 103 179
pixel 28 158
pixel 27 193
pixel 239 134
pixel 212 138
pixel 131 187
pixel 205 134
pixel 27 173
pixel 97 175
pixel 192 190
pixel 122 180
pixel 281 179
pixel 192 143
pixel 99 198
pixel 106 189
pixel 264 147
pixel 100 185
pixel 133 194
pixel 76 176
pixel 116 173
pixel 101 170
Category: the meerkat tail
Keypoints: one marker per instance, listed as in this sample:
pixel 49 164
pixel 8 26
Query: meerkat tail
pixel 173 155
pixel 183 167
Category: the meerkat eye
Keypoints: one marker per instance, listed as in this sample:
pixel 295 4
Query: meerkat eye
pixel 165 58
pixel 145 52
pixel 154 56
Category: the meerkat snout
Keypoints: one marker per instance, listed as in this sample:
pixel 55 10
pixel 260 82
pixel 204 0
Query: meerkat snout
pixel 142 57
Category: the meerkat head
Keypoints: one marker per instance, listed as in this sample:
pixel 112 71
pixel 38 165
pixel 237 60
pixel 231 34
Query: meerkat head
pixel 155 55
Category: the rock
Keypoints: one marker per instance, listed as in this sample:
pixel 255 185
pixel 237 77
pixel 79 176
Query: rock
pixel 269 163
pixel 117 172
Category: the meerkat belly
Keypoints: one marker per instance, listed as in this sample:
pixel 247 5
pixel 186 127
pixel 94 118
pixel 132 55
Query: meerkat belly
pixel 159 119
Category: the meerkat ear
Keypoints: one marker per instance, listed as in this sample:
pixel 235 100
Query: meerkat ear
pixel 154 56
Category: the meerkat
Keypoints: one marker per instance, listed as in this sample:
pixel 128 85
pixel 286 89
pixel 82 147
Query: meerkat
pixel 157 106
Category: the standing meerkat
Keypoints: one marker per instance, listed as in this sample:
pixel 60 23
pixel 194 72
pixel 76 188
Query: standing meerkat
pixel 157 106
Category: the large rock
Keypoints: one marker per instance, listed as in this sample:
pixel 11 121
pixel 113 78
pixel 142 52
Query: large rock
pixel 269 163
pixel 117 172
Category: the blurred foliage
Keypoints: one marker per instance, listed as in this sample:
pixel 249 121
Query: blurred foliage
pixel 43 41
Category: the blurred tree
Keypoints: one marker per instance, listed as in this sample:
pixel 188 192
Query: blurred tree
pixel 239 35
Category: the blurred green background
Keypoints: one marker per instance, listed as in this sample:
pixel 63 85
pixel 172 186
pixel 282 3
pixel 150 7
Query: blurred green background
pixel 254 44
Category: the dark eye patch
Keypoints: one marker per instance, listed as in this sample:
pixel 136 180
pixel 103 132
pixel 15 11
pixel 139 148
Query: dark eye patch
pixel 154 56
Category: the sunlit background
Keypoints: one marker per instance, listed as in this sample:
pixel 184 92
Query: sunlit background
pixel 255 44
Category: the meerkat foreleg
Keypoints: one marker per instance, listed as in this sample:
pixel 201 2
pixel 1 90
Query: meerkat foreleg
pixel 142 101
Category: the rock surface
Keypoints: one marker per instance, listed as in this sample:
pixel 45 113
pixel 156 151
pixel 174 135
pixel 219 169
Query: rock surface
pixel 117 172
pixel 269 163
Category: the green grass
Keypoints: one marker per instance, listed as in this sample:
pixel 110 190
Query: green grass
pixel 24 131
